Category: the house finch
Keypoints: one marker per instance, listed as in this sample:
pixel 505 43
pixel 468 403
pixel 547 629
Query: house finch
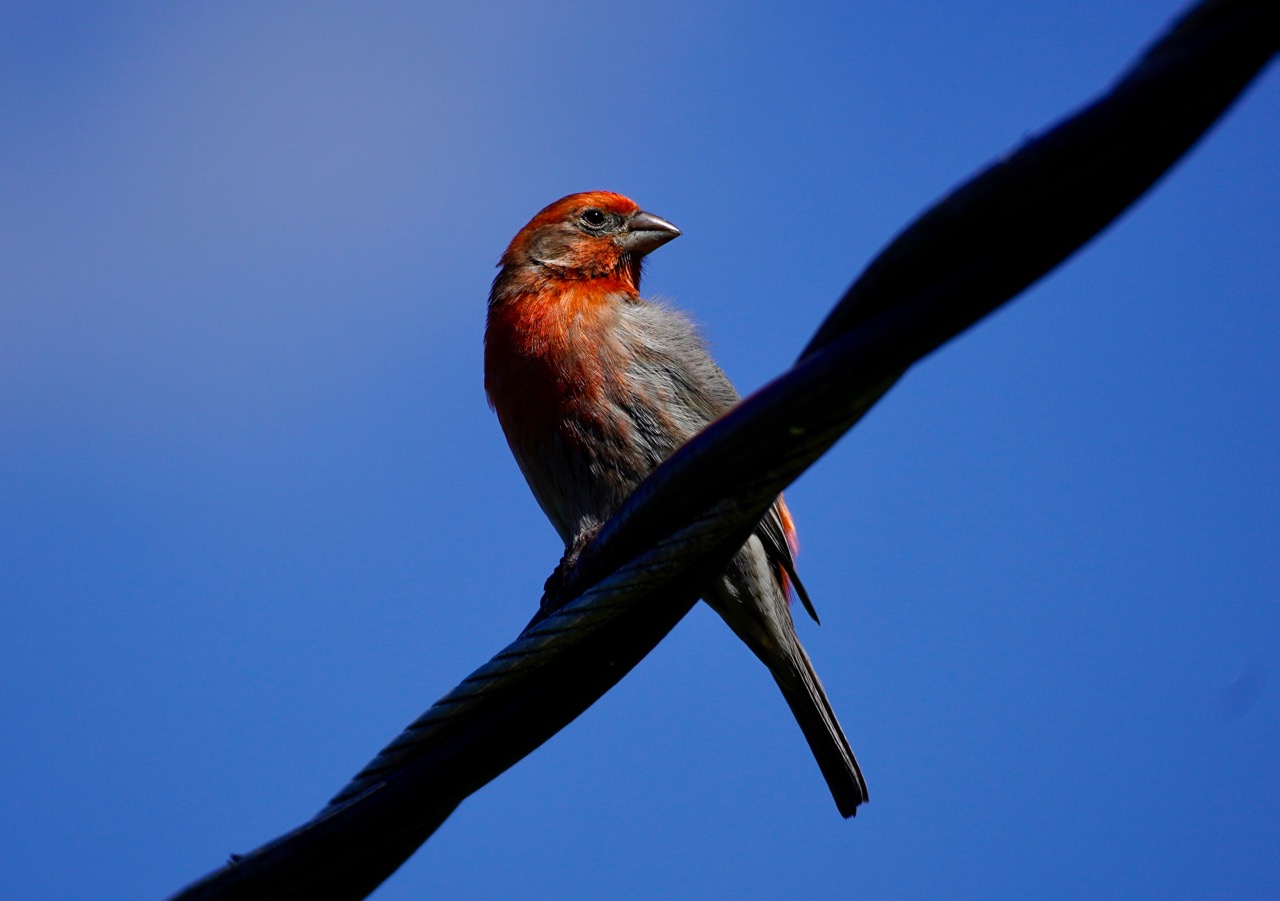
pixel 594 387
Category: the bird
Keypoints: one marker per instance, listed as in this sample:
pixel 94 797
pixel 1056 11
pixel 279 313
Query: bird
pixel 594 386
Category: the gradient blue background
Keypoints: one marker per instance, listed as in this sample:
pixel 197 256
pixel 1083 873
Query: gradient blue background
pixel 255 515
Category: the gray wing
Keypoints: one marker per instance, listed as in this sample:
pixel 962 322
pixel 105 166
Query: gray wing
pixel 678 362
pixel 775 544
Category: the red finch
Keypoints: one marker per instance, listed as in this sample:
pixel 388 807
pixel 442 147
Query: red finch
pixel 594 387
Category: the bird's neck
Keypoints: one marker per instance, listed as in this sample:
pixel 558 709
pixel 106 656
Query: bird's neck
pixel 515 283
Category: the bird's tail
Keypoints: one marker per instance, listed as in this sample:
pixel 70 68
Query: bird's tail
pixel 751 600
pixel 803 693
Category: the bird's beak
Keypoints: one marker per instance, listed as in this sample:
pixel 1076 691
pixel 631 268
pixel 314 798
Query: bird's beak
pixel 646 232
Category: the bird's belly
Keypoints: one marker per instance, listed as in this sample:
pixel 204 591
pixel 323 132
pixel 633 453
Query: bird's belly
pixel 584 466
pixel 586 417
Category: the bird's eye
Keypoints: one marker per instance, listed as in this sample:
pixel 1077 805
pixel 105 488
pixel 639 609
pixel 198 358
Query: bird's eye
pixel 593 218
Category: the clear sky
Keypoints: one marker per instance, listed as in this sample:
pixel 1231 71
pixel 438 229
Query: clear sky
pixel 255 514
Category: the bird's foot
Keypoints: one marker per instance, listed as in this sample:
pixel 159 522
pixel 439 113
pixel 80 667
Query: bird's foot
pixel 554 590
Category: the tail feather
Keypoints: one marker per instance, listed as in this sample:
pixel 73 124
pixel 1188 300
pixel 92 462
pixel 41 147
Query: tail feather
pixel 803 693
pixel 750 598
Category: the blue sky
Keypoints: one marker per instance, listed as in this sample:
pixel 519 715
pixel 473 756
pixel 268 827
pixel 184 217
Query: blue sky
pixel 255 515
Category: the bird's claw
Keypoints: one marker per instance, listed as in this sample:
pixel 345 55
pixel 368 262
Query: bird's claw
pixel 554 592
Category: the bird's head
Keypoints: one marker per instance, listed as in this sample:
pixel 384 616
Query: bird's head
pixel 596 234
